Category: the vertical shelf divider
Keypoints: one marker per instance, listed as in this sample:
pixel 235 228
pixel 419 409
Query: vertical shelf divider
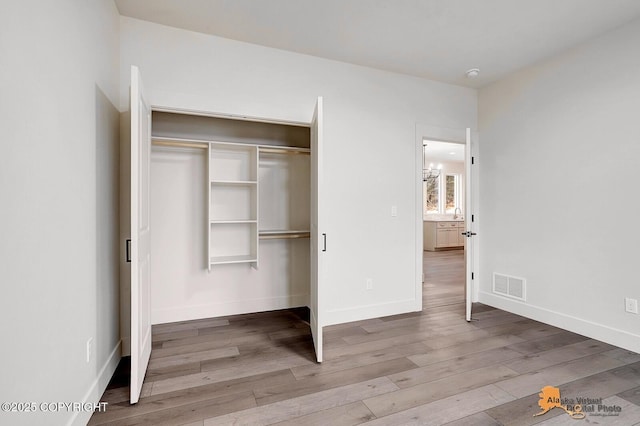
pixel 209 201
pixel 256 212
pixel 232 220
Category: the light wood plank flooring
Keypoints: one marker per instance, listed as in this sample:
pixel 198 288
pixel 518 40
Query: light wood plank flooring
pixel 425 368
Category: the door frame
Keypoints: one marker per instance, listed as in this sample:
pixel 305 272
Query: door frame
pixel 125 197
pixel 451 135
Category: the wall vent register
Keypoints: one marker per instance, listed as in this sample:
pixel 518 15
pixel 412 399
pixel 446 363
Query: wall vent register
pixel 509 286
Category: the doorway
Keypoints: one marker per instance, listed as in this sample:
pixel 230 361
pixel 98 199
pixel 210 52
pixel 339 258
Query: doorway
pixel 443 195
pixel 445 219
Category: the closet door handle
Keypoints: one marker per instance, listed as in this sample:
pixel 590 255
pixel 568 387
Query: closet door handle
pixel 128 251
pixel 324 242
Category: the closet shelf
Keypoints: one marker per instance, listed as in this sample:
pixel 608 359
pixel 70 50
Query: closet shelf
pixel 219 260
pixel 225 222
pixel 204 144
pixel 283 150
pixel 178 143
pixel 234 182
pixel 284 234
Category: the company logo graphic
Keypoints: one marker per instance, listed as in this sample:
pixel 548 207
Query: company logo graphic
pixel 577 407
pixel 550 399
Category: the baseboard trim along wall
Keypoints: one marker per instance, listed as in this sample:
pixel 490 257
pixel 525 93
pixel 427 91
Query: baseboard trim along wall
pixel 81 418
pixel 213 310
pixel 364 312
pixel 613 336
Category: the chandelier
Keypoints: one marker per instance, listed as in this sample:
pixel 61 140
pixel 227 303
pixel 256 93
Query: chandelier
pixel 429 173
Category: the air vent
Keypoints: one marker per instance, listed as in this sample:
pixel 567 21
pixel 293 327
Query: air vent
pixel 509 286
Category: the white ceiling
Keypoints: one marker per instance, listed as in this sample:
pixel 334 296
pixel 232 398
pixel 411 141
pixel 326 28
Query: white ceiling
pixel 438 152
pixel 435 39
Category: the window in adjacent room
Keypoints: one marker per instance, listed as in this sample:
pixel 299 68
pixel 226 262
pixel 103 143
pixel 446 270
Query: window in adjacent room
pixel 432 195
pixel 453 193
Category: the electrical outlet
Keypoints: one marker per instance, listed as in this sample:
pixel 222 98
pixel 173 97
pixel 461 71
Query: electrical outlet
pixel 369 284
pixel 89 349
pixel 631 305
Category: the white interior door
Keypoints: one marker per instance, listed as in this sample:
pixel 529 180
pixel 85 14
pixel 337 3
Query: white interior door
pixel 469 225
pixel 140 272
pixel 318 238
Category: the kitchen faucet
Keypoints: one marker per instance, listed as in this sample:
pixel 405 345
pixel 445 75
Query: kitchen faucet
pixel 455 212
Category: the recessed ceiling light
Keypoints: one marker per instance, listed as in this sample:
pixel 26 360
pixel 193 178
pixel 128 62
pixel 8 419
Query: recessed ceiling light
pixel 452 153
pixel 473 73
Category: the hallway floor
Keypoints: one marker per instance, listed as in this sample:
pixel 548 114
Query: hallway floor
pixel 423 368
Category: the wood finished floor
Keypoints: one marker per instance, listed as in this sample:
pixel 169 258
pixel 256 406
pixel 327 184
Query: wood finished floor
pixel 425 368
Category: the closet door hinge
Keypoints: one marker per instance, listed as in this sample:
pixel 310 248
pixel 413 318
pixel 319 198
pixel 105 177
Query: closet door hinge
pixel 472 275
pixel 473 160
pixel 324 242
pixel 127 249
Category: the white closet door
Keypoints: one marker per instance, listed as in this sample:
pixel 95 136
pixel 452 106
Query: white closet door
pixel 318 238
pixel 140 271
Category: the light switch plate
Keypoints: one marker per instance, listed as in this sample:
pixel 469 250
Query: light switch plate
pixel 394 211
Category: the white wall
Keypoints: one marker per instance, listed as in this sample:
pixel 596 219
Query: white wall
pixel 559 172
pixel 370 145
pixel 58 180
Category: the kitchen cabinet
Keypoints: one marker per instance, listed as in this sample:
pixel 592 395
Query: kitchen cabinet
pixel 442 235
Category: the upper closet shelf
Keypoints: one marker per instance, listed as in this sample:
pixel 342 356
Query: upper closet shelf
pixel 268 149
pixel 234 182
pixel 231 221
pixel 204 144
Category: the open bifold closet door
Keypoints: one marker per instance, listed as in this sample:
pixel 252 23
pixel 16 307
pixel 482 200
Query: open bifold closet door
pixel 318 237
pixel 140 241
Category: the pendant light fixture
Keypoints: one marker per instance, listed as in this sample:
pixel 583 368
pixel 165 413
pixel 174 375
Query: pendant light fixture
pixel 429 173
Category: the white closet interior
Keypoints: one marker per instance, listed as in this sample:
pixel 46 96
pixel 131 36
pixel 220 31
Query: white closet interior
pixel 230 213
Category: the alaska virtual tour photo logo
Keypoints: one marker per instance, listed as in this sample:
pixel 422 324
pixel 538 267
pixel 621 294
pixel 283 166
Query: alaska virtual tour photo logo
pixel 577 408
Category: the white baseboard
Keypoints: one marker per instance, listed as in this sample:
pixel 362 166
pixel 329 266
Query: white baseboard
pixel 604 333
pixel 192 312
pixel 98 387
pixel 364 312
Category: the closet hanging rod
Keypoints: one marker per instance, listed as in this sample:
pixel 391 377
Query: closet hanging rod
pixel 270 150
pixel 284 236
pixel 180 144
